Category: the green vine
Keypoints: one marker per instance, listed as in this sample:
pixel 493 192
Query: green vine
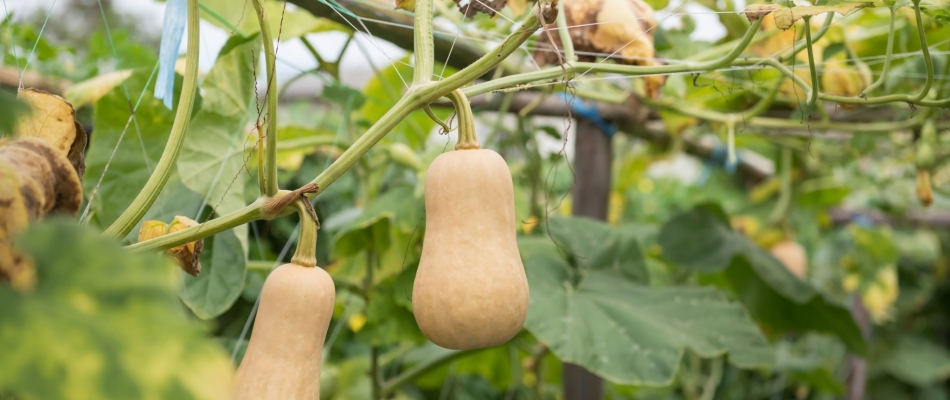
pixel 270 155
pixel 166 164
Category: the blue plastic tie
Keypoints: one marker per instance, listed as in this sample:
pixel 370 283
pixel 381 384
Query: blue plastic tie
pixel 173 28
pixel 589 112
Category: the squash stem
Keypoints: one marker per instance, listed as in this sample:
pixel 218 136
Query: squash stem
pixel 306 253
pixel 467 139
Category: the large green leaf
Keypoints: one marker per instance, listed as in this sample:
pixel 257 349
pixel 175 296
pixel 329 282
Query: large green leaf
pixel 288 23
pixel 596 245
pixel 702 240
pixel 102 323
pixel 369 228
pixel 632 334
pixel 223 267
pixel 137 143
pixel 917 361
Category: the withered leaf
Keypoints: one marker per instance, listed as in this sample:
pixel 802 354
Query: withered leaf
pixel 53 119
pixel 620 29
pixel 755 12
pixel 472 7
pixel 35 180
pixel 187 254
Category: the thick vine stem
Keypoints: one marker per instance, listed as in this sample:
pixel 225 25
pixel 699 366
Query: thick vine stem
pixel 785 195
pixel 416 97
pixel 512 81
pixel 813 95
pixel 565 34
pixel 463 109
pixel 270 58
pixel 166 164
pixel 422 94
pixel 306 253
pixel 423 43
pixel 917 99
pixel 887 57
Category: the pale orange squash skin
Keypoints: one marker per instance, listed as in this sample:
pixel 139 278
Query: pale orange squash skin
pixel 283 357
pixel 470 289
pixel 793 256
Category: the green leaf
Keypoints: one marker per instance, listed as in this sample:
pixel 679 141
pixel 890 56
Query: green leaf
pixel 10 110
pixel 633 334
pixel 700 240
pixel 398 207
pixel 599 246
pixel 388 319
pixel 102 323
pixel 917 361
pixel 288 23
pixel 940 10
pixel 223 267
pixel 138 146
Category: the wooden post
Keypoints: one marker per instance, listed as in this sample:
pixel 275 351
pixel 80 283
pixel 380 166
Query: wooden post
pixel 591 197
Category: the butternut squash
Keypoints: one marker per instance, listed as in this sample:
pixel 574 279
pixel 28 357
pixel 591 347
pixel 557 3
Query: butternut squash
pixel 793 257
pixel 282 361
pixel 470 290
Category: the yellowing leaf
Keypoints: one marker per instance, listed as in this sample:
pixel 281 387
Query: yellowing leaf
pixel 518 7
pixel 54 120
pixel 103 323
pixel 408 5
pixel 785 17
pixel 152 230
pixel 91 90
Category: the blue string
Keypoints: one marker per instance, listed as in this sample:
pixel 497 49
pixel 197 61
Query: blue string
pixel 173 29
pixel 589 112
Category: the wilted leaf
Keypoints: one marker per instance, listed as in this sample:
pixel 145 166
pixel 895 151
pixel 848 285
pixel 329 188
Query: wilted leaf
pixel 755 12
pixel 187 254
pixel 471 7
pixel 785 17
pixel 621 28
pixel 52 119
pixel 103 323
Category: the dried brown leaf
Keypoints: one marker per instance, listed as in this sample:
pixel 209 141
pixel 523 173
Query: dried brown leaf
pixel 187 254
pixel 472 7
pixel 786 17
pixel 620 29
pixel 15 268
pixel 755 12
